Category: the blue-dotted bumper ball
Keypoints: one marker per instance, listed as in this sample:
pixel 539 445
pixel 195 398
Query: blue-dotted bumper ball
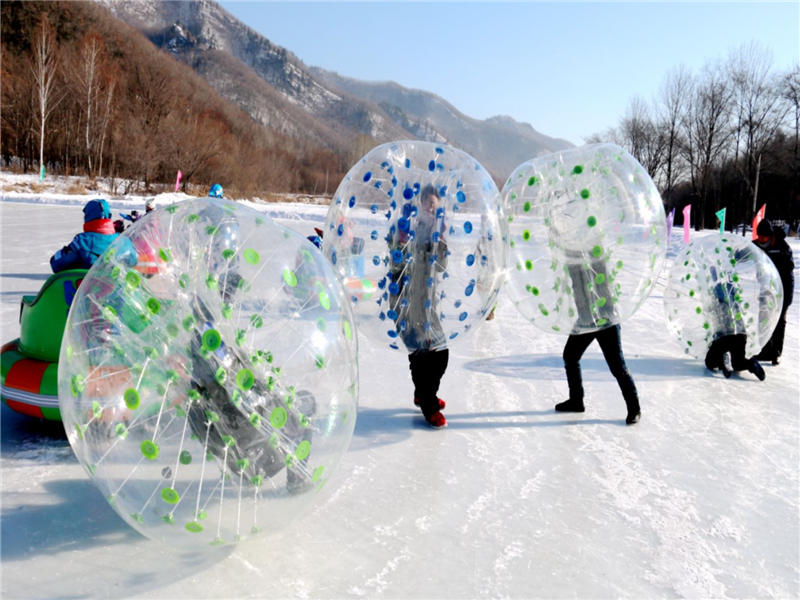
pixel 587 237
pixel 415 231
pixel 722 285
pixel 208 377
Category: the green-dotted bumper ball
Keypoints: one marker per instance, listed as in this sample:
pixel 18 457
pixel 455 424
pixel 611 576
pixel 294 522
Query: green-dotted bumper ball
pixel 416 231
pixel 587 237
pixel 211 396
pixel 722 284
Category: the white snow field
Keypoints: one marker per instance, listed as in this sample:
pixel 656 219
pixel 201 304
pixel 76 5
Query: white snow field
pixel 512 500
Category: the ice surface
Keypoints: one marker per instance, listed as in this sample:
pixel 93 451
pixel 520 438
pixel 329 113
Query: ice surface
pixel 700 499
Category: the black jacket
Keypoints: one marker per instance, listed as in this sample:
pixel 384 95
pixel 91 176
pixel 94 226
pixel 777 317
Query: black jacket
pixel 780 253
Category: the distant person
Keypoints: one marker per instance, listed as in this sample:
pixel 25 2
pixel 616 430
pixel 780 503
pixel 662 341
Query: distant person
pixel 133 217
pixel 149 206
pixel 773 241
pixel 87 247
pixel 316 239
pixel 216 191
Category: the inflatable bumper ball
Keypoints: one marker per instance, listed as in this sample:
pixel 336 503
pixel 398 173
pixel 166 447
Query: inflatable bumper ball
pixel 210 398
pixel 416 232
pixel 722 285
pixel 587 238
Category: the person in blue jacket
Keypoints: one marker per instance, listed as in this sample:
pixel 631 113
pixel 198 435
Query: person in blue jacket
pixel 85 248
pixel 216 191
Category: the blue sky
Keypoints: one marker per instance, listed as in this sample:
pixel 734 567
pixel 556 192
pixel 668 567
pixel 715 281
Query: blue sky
pixel 566 68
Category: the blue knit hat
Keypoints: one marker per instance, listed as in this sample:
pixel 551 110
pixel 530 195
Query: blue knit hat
pixel 96 209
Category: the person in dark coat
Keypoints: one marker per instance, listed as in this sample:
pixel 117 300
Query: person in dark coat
pixel 773 241
pixel 416 262
pixel 98 234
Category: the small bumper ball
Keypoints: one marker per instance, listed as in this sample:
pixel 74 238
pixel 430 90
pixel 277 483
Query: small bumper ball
pixel 722 285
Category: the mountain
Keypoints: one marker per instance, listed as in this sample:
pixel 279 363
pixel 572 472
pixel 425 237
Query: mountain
pixel 500 143
pixel 147 115
pixel 278 90
pixel 230 56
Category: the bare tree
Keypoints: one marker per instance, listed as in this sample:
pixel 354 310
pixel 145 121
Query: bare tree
pixel 641 137
pixel 609 136
pixel 759 111
pixel 790 92
pixel 208 140
pixel 672 107
pixel 151 95
pixel 95 84
pixel 790 95
pixel 638 134
pixel 359 146
pixel 44 67
pixel 707 134
pixel 17 111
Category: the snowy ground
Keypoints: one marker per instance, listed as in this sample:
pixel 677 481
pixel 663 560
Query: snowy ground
pixel 76 191
pixel 698 500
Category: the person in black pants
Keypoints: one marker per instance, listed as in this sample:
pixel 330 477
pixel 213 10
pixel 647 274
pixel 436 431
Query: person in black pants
pixel 611 345
pixel 773 242
pixel 734 346
pixel 595 307
pixel 417 262
pixel 427 370
pixel 727 350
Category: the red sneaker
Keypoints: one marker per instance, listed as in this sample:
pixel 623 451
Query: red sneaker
pixel 442 403
pixel 437 421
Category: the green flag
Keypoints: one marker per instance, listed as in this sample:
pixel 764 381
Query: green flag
pixel 41 173
pixel 721 217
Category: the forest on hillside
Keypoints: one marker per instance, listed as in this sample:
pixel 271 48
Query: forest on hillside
pixel 85 94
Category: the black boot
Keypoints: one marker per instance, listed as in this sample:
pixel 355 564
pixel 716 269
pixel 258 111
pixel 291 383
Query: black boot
pixel 575 406
pixel 757 370
pixel 634 415
pixel 727 365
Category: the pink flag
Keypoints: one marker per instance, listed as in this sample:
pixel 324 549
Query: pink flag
pixel 178 180
pixel 758 218
pixel 686 222
pixel 670 221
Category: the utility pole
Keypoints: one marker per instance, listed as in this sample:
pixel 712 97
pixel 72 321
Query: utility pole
pixel 755 190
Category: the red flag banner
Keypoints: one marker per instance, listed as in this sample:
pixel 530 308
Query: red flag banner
pixel 178 180
pixel 758 218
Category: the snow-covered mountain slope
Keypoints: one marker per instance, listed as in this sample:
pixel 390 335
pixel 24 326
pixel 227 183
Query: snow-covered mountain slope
pixel 307 101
